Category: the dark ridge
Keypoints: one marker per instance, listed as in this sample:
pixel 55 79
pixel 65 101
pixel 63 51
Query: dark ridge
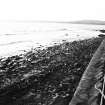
pixel 89 22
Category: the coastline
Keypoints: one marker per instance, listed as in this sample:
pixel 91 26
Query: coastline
pixel 44 76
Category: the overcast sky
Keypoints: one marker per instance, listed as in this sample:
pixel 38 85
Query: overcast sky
pixel 52 10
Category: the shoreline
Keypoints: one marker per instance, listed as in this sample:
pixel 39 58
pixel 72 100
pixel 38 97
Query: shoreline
pixel 41 47
pixel 45 76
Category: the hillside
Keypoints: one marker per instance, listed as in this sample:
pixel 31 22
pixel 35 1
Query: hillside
pixel 91 22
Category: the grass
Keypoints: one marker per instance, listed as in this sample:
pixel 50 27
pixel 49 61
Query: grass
pixel 45 77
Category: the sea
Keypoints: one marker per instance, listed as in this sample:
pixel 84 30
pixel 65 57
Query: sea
pixel 19 37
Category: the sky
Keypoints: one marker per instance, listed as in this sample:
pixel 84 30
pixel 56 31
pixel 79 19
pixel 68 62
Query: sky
pixel 51 10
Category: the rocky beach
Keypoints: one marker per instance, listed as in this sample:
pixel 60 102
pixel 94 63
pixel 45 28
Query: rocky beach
pixel 48 72
pixel 45 77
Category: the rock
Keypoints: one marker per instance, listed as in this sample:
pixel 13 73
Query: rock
pixel 101 35
pixel 103 31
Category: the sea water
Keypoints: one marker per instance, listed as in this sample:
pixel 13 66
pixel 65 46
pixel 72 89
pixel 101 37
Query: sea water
pixel 17 37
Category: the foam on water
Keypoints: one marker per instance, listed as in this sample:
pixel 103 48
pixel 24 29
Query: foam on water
pixel 18 36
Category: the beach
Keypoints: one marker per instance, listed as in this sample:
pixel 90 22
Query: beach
pixel 44 67
pixel 45 76
pixel 17 37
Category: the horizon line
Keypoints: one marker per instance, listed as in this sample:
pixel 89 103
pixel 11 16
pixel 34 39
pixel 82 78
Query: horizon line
pixel 51 21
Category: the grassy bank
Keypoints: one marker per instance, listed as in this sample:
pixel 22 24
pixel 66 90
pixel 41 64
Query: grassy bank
pixel 45 77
